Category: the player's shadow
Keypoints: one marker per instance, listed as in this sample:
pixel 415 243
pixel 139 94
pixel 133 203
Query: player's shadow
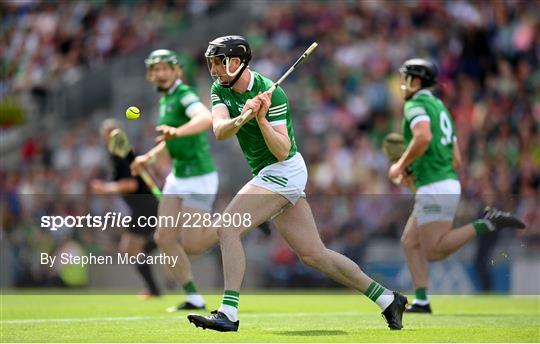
pixel 311 333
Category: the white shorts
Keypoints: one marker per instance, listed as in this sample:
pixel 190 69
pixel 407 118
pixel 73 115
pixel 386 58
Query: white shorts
pixel 197 192
pixel 437 201
pixel 287 178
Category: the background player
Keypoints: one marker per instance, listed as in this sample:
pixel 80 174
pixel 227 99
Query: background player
pixel 192 184
pixel 139 199
pixel 433 154
pixel 277 188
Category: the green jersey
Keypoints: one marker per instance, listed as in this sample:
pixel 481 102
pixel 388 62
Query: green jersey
pixel 190 154
pixel 249 136
pixel 436 163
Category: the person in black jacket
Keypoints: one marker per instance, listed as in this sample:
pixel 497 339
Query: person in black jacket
pixel 139 199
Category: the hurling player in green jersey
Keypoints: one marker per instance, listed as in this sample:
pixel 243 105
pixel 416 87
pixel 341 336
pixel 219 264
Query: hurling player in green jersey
pixel 432 155
pixel 193 182
pixel 276 189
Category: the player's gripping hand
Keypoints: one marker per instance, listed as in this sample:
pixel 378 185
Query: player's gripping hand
pixel 138 162
pixel 399 174
pixel 393 148
pixel 166 133
pixel 266 100
pixel 253 104
pixel 396 172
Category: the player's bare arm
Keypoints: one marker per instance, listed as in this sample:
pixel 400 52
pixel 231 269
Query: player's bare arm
pixel 419 144
pixel 201 121
pixel 124 186
pixel 276 137
pixel 222 123
pixel 456 161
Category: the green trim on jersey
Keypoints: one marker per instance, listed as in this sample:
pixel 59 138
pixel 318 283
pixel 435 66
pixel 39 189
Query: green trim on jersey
pixel 281 181
pixel 436 163
pixel 190 154
pixel 249 136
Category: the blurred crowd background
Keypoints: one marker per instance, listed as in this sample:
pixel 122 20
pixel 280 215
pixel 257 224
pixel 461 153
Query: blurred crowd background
pixel 344 100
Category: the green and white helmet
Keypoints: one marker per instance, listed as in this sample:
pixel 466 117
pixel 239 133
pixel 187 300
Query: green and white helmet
pixel 162 55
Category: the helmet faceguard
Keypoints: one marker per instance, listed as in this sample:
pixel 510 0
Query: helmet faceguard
pixel 221 51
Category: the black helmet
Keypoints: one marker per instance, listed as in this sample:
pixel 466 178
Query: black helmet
pixel 225 48
pixel 423 69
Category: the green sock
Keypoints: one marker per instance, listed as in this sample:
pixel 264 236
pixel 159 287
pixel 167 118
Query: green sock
pixel 420 294
pixel 231 298
pixel 190 288
pixel 379 294
pixel 480 227
pixel 374 291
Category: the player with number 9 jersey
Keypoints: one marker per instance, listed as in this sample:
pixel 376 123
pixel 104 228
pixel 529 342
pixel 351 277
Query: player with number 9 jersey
pixel 436 163
pixel 432 156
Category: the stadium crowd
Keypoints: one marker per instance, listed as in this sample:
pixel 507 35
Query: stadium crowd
pixel 46 43
pixel 344 101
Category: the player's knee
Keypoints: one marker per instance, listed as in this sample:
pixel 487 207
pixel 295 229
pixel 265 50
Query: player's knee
pixel 163 239
pixel 194 248
pixel 128 247
pixel 312 259
pixel 123 248
pixel 434 255
pixel 191 250
pixel 129 250
pixel 408 243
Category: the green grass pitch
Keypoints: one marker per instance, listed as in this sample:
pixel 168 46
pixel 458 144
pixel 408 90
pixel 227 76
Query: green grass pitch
pixel 302 317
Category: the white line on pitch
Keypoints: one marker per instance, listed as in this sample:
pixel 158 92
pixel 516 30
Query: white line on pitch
pixel 137 318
